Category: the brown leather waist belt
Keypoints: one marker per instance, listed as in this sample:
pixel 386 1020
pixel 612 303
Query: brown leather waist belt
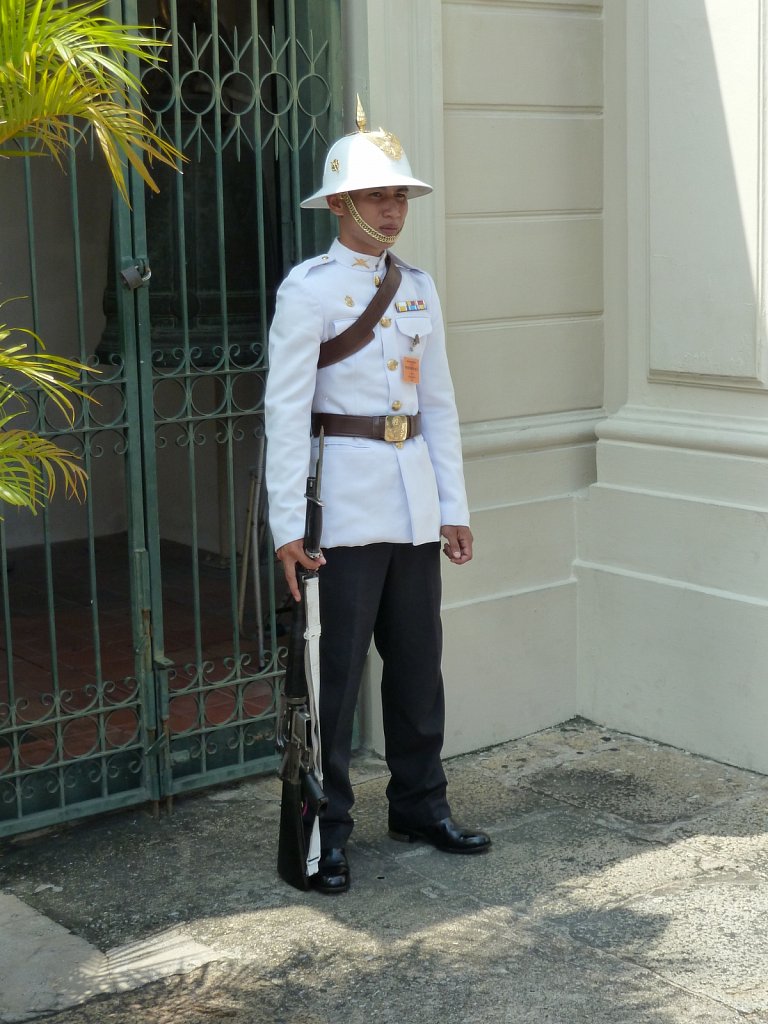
pixel 380 428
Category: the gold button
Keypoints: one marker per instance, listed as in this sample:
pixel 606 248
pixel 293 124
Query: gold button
pixel 398 444
pixel 386 322
pixel 392 364
pixel 349 300
pixel 376 280
pixel 396 405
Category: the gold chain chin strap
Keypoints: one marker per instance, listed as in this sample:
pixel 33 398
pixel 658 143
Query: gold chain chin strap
pixel 377 235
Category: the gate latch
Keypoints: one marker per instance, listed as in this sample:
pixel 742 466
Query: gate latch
pixel 136 276
pixel 159 744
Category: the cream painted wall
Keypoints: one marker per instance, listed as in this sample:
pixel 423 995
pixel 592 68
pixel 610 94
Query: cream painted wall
pixel 499 104
pixel 639 598
pixel 673 552
pixel 523 157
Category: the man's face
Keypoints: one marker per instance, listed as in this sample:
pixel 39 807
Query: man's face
pixel 384 209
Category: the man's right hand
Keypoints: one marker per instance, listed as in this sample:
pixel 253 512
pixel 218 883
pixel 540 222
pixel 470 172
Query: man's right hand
pixel 292 553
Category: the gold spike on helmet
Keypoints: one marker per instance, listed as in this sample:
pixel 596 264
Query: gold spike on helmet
pixel 365 159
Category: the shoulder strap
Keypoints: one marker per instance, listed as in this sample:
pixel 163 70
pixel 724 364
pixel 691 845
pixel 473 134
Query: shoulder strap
pixel 358 334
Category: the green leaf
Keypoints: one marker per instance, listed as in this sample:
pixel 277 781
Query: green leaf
pixel 58 63
pixel 28 468
pixel 29 464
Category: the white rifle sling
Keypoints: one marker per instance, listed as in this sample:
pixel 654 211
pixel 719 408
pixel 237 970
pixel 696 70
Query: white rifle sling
pixel 312 671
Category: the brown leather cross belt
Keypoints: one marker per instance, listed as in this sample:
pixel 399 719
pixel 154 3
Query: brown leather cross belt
pixel 380 428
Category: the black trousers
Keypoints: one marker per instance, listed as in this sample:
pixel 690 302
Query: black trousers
pixel 391 593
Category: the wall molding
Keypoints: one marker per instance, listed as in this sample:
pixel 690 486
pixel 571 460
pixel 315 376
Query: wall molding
pixel 701 431
pixel 505 595
pixel 671 582
pixel 530 433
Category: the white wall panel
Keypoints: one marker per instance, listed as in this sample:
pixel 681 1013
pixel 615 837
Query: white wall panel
pixel 538 367
pixel 500 55
pixel 523 476
pixel 501 162
pixel 704 189
pixel 704 544
pixel 517 674
pixel 675 663
pixel 523 267
pixel 518 547
pixel 712 476
pixel 595 5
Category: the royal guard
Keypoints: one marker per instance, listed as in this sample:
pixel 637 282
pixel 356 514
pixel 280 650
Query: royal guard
pixel 357 350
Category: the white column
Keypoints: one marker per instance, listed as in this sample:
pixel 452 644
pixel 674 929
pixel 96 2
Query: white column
pixel 673 559
pixel 394 61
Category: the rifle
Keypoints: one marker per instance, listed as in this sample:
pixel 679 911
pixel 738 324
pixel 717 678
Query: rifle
pixel 298 733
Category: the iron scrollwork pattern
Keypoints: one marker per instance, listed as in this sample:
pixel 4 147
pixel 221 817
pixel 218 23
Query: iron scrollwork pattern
pixel 140 650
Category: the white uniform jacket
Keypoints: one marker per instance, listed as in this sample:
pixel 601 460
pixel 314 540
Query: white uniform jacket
pixel 372 491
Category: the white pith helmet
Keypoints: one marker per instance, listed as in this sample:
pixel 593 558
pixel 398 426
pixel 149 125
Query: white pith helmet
pixel 365 160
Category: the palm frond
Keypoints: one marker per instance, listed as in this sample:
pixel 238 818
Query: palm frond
pixel 52 374
pixel 28 468
pixel 51 27
pixel 29 464
pixel 58 63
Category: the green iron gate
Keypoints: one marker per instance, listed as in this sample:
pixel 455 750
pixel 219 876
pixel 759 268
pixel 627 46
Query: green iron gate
pixel 140 630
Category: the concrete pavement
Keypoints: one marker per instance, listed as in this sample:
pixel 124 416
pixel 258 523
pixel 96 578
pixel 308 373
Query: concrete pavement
pixel 627 883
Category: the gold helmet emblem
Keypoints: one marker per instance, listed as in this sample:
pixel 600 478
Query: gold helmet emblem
pixel 388 143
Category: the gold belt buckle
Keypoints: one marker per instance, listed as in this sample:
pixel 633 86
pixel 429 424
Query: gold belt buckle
pixel 396 429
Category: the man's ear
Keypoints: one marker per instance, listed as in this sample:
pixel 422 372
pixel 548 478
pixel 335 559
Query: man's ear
pixel 335 205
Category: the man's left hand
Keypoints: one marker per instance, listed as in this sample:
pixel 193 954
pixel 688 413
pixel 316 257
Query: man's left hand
pixel 458 546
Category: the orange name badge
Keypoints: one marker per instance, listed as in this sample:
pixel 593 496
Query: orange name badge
pixel 411 367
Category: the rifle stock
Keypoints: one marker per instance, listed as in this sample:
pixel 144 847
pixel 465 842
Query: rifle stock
pixel 302 800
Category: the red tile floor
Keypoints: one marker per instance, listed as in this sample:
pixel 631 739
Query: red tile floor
pixel 50 609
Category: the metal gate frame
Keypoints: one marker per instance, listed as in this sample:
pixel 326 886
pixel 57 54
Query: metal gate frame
pixel 176 744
